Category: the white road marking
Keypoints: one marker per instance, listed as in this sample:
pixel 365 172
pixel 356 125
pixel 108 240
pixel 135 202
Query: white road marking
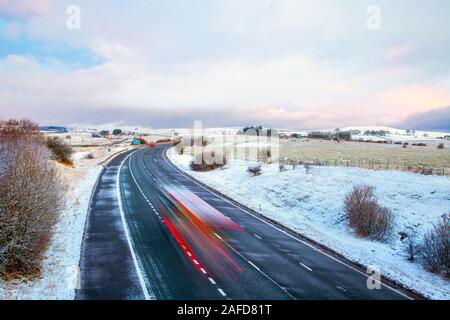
pixel 305 266
pixel 221 292
pixel 258 237
pixel 189 254
pixel 203 270
pixel 254 265
pixel 211 280
pixel 196 262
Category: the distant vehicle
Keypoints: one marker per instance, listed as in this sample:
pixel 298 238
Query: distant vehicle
pixel 137 142
pixel 152 145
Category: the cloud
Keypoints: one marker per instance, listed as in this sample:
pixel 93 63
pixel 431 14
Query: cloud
pixel 22 9
pixel 436 119
pixel 284 63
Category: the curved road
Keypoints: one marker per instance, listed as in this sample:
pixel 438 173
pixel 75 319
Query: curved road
pixel 155 233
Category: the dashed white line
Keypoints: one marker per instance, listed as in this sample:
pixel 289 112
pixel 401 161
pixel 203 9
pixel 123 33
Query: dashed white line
pixel 203 270
pixel 221 292
pixel 258 237
pixel 127 231
pixel 196 262
pixel 212 280
pixel 189 254
pixel 305 266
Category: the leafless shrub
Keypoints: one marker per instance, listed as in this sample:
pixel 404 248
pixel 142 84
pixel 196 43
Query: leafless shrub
pixel 254 170
pixel 201 164
pixel 265 155
pixel 179 147
pixel 31 195
pixel 435 247
pixel 365 215
pixel 89 156
pixel 424 170
pixel 440 146
pixel 60 150
pixel 293 163
pixel 282 167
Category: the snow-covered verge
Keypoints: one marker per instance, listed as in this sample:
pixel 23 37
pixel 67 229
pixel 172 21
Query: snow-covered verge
pixel 312 204
pixel 60 267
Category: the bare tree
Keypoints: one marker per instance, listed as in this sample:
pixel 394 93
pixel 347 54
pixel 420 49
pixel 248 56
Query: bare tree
pixel 411 244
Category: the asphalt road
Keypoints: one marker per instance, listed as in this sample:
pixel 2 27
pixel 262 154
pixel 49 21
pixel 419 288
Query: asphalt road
pixel 155 233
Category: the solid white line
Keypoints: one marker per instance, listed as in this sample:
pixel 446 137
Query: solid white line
pixel 254 265
pixel 305 266
pixel 221 292
pixel 276 228
pixel 212 280
pixel 127 231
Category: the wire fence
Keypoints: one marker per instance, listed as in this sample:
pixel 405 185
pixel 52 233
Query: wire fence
pixel 424 169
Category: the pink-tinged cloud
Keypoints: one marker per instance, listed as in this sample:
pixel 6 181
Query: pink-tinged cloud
pixel 22 9
pixel 399 52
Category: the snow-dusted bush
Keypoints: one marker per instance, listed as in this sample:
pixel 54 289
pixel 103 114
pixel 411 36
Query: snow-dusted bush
pixel 89 156
pixel 200 162
pixel 435 247
pixel 60 150
pixel 365 215
pixel 254 170
pixel 31 195
pixel 307 167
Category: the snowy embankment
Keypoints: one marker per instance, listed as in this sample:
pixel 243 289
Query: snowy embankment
pixel 60 267
pixel 312 205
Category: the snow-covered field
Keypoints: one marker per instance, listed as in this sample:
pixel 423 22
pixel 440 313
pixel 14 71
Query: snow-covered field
pixel 60 267
pixel 312 204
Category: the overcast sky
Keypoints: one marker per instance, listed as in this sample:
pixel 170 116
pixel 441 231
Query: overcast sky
pixel 284 63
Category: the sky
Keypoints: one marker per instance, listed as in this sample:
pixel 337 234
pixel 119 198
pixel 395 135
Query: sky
pixel 282 63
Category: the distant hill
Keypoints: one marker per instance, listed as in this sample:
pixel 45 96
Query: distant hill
pixel 54 129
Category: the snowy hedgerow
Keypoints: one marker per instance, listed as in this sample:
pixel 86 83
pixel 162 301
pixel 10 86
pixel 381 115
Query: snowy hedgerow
pixel 365 215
